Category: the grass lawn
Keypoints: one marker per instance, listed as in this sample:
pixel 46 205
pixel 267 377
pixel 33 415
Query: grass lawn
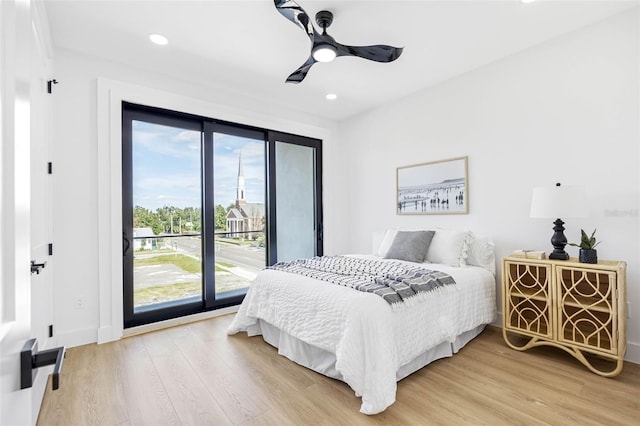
pixel 187 263
pixel 164 293
pixel 175 291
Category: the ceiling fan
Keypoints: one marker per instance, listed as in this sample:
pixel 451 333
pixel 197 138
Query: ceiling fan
pixel 323 47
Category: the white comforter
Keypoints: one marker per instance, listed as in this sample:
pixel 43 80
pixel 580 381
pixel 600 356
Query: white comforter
pixel 370 341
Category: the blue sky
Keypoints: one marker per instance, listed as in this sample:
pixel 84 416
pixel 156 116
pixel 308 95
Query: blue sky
pixel 166 167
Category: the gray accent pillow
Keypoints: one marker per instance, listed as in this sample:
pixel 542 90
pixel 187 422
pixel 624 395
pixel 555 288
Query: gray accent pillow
pixel 410 245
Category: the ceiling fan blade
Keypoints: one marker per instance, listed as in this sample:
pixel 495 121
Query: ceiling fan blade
pixel 293 12
pixel 298 75
pixel 378 52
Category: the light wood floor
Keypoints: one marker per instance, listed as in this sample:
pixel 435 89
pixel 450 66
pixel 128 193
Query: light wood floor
pixel 197 375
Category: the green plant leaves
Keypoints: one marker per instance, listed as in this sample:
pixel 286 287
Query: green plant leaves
pixel 586 242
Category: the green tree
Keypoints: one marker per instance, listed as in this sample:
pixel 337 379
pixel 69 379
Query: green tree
pixel 144 218
pixel 185 220
pixel 220 217
pixel 191 219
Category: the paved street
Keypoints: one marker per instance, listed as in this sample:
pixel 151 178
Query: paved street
pixel 168 273
pixel 249 257
pixel 239 265
pixel 252 258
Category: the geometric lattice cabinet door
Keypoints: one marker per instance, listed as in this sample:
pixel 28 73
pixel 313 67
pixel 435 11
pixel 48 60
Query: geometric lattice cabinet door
pixel 528 290
pixel 587 308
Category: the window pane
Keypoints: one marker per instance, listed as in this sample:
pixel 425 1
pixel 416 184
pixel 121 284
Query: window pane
pixel 295 201
pixel 166 183
pixel 239 193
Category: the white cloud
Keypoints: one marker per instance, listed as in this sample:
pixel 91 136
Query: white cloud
pixel 167 167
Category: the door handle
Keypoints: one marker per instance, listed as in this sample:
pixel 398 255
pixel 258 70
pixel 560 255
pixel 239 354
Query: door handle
pixel 126 244
pixel 31 359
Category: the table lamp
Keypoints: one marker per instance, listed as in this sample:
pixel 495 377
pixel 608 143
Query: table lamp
pixel 559 201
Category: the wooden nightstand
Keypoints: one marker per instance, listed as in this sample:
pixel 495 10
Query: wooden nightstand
pixel 577 307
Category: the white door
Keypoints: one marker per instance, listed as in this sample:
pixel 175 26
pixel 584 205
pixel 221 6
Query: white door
pixel 16 80
pixel 41 223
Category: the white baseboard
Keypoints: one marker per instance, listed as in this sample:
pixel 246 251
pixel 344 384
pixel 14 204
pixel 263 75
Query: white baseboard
pixel 70 339
pixel 105 335
pixel 101 335
pixel 498 321
pixel 178 321
pixel 633 352
pixel 633 348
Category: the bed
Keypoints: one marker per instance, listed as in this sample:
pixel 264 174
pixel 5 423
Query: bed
pixel 360 338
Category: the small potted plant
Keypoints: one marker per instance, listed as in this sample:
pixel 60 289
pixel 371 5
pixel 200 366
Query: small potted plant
pixel 588 252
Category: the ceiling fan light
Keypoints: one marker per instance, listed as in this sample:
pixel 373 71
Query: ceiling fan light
pixel 324 53
pixel 159 39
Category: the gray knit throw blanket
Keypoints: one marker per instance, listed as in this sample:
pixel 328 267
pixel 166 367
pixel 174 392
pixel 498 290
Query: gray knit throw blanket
pixel 395 282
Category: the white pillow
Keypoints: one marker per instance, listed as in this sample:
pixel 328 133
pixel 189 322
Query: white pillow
pixel 482 253
pixel 376 240
pixel 449 247
pixel 387 240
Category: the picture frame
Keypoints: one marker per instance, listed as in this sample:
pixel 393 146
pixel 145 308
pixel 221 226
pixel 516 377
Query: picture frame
pixel 437 187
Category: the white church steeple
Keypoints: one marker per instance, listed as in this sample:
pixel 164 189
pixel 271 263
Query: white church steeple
pixel 240 191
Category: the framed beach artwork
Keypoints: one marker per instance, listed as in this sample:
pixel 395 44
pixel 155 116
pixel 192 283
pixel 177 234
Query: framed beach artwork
pixel 439 187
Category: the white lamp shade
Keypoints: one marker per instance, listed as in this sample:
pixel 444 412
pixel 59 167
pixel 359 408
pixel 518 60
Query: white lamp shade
pixel 559 202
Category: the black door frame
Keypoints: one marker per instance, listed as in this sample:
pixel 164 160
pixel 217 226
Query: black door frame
pixel 131 112
pixel 316 144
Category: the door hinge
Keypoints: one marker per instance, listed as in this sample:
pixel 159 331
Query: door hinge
pixel 50 84
pixel 50 330
pixel 50 249
pixel 50 168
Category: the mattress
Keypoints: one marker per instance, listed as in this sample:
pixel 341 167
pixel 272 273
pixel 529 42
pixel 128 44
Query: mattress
pixel 372 345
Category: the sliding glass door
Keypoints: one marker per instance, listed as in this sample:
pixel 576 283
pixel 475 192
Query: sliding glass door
pixel 296 189
pixel 162 215
pixel 206 206
pixel 239 192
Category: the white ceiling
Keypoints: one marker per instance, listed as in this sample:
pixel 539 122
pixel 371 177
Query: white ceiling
pixel 248 47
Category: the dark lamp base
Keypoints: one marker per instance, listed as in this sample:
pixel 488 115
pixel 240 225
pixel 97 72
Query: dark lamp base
pixel 558 241
pixel 559 256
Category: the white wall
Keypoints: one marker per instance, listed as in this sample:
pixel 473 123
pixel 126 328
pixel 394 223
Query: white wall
pixel 565 111
pixel 78 161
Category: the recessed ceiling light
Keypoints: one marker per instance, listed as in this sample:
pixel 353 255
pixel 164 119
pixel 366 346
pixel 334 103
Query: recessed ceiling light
pixel 158 39
pixel 331 96
pixel 527 1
